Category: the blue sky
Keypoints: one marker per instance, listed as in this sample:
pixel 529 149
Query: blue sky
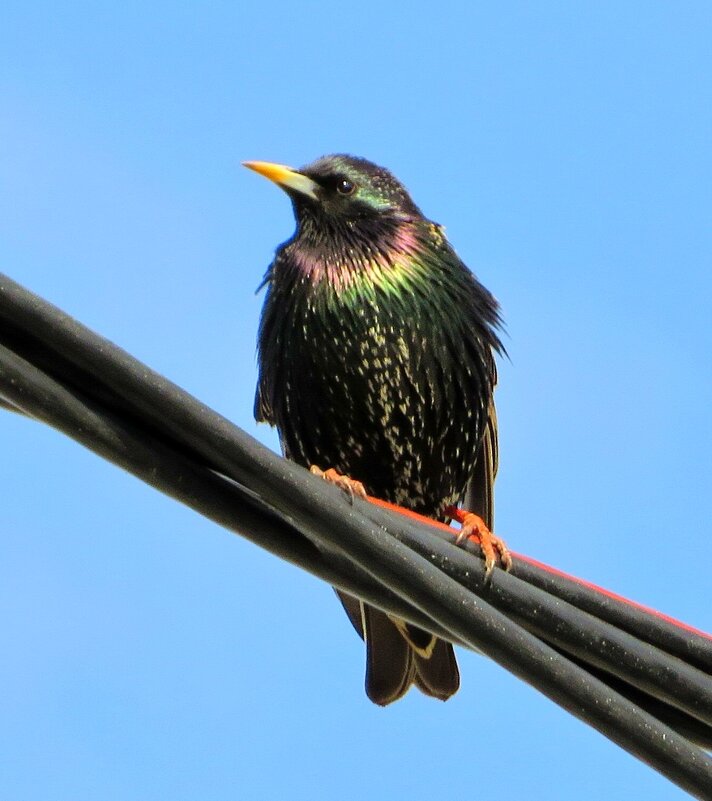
pixel 566 147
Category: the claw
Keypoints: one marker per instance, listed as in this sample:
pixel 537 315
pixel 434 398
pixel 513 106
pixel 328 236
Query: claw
pixel 475 528
pixel 349 485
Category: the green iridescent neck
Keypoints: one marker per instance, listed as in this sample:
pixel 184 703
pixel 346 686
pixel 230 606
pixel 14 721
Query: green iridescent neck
pixel 350 260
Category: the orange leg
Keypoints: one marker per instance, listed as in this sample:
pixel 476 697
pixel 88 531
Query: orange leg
pixel 345 483
pixel 475 528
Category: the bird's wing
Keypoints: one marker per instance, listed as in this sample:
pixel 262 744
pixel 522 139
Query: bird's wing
pixel 353 610
pixel 263 412
pixel 479 497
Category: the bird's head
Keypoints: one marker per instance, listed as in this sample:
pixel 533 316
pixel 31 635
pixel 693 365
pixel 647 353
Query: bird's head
pixel 344 203
pixel 361 238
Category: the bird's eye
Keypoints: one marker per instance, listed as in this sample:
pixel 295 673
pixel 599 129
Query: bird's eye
pixel 345 187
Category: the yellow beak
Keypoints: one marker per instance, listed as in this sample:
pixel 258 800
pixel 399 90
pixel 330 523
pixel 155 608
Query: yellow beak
pixel 286 177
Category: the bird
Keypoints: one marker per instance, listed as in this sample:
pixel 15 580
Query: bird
pixel 376 359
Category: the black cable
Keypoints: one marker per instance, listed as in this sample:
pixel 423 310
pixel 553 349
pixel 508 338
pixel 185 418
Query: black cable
pixel 693 647
pixel 683 724
pixel 571 630
pixel 669 635
pixel 107 383
pixel 419 582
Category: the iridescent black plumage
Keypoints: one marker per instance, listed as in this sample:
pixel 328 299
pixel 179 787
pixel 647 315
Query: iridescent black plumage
pixel 376 358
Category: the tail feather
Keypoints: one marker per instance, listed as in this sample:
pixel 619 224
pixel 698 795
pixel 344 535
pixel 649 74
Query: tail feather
pixel 438 676
pixel 390 668
pixel 399 655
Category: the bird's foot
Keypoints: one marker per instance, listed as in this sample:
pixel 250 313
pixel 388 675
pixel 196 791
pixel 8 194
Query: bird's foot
pixel 475 528
pixel 345 483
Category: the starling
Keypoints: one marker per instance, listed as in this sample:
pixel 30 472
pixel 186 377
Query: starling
pixel 376 358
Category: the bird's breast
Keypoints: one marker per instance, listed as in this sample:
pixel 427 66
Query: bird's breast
pixel 374 389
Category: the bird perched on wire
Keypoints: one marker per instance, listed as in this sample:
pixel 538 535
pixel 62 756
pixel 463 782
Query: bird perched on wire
pixel 376 360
